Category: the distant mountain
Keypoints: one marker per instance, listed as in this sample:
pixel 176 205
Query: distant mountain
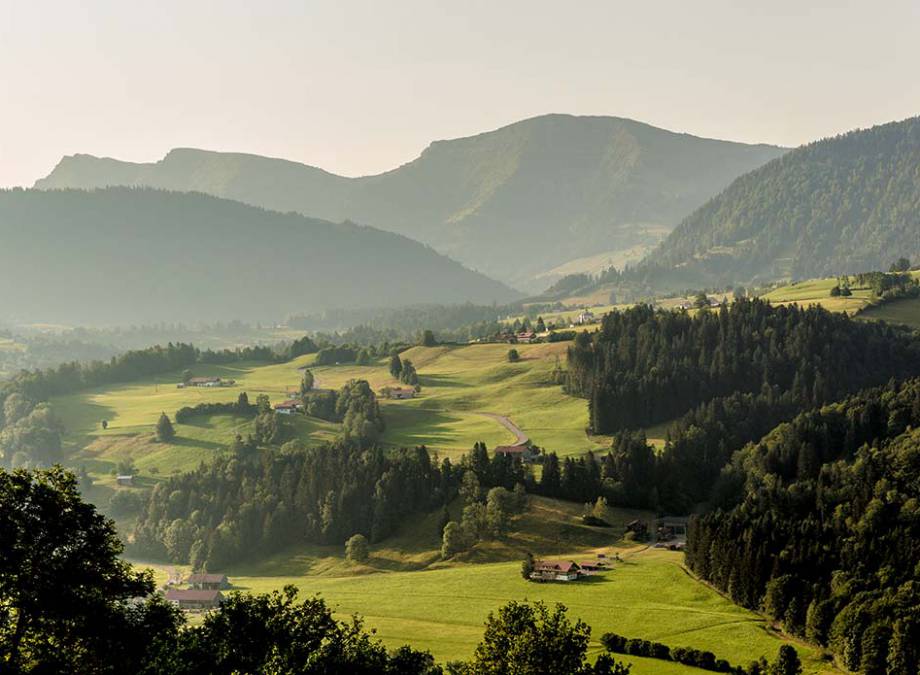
pixel 514 203
pixel 122 255
pixel 840 205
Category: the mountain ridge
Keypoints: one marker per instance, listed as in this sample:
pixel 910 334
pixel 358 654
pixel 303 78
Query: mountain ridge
pixel 172 256
pixel 552 188
pixel 843 204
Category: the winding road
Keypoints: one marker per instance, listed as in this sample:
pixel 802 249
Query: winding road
pixel 510 426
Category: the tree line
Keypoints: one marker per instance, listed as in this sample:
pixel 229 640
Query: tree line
pixel 235 508
pixel 647 366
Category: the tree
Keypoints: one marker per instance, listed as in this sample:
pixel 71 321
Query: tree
pixel 105 424
pixel 513 356
pixel 165 431
pixel 599 511
pixel 356 549
pixel 263 404
pixel 835 291
pixel 307 382
pixel 787 663
pixel 273 633
pixel 62 581
pixel 900 265
pixel 541 327
pixel 499 507
pixel 529 639
pixel 395 366
pixel 428 339
pixel 701 300
pixel 452 540
pixel 527 566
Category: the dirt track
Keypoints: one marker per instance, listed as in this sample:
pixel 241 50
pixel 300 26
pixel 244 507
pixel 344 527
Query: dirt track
pixel 506 422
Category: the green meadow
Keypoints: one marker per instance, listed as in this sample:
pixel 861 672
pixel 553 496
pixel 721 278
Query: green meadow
pixel 459 383
pixel 905 312
pixel 408 595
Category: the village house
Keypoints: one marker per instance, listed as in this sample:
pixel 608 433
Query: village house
pixel 672 527
pixel 206 382
pixel 208 582
pixel 584 318
pixel 519 452
pixel 124 480
pixel 638 527
pixel 397 393
pixel 289 407
pixel 526 337
pixel 192 599
pixel 545 570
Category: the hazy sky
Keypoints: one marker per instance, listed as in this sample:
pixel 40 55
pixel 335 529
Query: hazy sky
pixel 360 87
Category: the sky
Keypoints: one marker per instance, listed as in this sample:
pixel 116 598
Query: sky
pixel 359 87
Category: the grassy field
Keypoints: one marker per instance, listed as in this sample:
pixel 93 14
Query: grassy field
pixel 132 411
pixel 818 292
pixel 459 383
pixel 905 312
pixel 409 596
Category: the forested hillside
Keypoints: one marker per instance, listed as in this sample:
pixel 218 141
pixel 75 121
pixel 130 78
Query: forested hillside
pixel 237 508
pixel 121 256
pixel 841 205
pixel 723 378
pixel 513 202
pixel 820 526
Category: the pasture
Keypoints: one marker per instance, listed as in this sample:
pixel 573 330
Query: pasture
pixel 409 595
pixel 459 383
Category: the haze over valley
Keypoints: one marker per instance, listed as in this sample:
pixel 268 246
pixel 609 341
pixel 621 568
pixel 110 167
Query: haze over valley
pixel 476 339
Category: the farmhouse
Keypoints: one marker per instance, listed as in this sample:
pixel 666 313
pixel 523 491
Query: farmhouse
pixel 208 582
pixel 591 566
pixel 397 393
pixel 671 527
pixel 125 480
pixel 194 599
pixel 206 382
pixel 289 407
pixel 544 570
pixel 526 337
pixel 637 526
pixel 521 453
pixel 584 318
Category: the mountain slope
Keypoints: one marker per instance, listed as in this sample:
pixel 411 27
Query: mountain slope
pixel 121 255
pixel 514 202
pixel 840 205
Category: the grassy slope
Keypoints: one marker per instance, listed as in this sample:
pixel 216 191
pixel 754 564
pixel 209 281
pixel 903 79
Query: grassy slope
pixel 408 595
pixel 458 383
pixel 905 312
pixel 132 411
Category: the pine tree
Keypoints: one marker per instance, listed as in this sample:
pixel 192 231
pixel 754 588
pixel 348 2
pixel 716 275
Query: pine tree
pixel 165 431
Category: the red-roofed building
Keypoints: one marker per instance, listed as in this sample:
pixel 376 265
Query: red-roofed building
pixel 289 407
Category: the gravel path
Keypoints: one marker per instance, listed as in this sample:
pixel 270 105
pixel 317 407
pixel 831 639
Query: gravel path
pixel 510 426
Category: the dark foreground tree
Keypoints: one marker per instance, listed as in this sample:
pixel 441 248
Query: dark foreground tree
pixel 62 584
pixel 531 640
pixel 273 633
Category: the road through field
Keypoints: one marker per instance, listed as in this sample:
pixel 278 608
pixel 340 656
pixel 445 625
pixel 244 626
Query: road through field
pixel 506 422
